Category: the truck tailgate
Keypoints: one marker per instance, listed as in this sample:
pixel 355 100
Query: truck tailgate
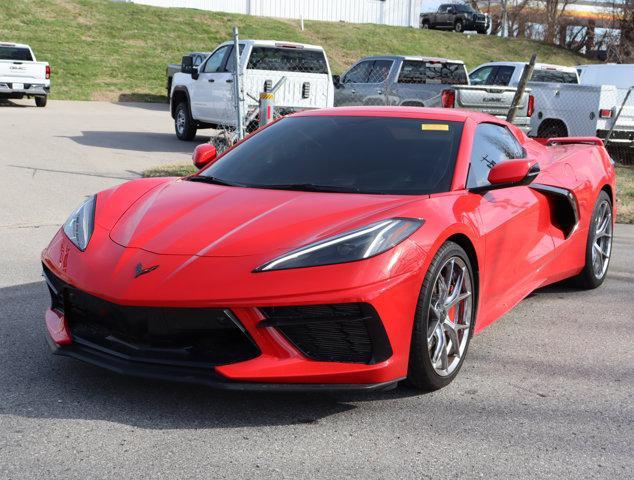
pixel 490 99
pixel 19 71
pixel 299 91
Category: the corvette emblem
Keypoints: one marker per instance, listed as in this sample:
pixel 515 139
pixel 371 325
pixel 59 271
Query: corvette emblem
pixel 142 271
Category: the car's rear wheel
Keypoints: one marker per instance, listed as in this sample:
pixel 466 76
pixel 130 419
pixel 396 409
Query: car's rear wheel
pixel 444 320
pixel 183 123
pixel 425 25
pixel 40 100
pixel 599 245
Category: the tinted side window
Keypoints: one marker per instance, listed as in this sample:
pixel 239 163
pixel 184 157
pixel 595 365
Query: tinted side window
pixel 492 144
pixel 359 73
pixel 481 76
pixel 215 61
pixel 502 76
pixel 230 63
pixel 380 70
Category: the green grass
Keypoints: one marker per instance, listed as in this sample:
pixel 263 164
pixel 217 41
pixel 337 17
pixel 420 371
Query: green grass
pixel 625 193
pixel 624 180
pixel 103 50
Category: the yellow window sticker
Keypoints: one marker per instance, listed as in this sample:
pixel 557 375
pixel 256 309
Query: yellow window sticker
pixel 434 127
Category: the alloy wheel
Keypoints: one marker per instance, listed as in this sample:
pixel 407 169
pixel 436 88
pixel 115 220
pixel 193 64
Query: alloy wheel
pixel 449 316
pixel 602 240
pixel 180 120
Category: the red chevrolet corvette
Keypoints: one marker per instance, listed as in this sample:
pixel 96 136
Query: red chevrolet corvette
pixel 348 248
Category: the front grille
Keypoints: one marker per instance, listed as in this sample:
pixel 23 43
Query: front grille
pixel 347 332
pixel 172 336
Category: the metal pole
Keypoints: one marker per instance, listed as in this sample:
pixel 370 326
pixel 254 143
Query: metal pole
pixel 521 87
pixel 237 84
pixel 505 32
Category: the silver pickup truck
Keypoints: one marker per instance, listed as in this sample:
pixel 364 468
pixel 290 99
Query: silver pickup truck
pixel 398 80
pixel 425 82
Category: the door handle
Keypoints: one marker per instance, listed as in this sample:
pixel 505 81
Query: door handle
pixel 230 80
pixel 353 91
pixel 380 92
pixel 211 80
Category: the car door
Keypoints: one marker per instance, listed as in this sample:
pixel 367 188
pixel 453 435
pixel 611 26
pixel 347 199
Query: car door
pixel 209 86
pixel 375 90
pixel 515 224
pixel 358 75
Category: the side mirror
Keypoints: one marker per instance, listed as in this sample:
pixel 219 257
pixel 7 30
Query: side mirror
pixel 204 155
pixel 187 64
pixel 451 11
pixel 513 173
pixel 195 73
pixel 336 81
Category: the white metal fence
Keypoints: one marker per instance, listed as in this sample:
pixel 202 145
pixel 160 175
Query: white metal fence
pixel 389 12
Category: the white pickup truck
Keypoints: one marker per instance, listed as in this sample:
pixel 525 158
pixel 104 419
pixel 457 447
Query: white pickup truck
pixel 203 97
pixel 563 106
pixel 21 75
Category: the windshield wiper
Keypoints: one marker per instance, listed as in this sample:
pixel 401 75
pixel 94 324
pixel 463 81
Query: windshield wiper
pixel 309 187
pixel 214 180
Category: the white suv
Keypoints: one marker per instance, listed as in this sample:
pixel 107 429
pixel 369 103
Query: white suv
pixel 204 96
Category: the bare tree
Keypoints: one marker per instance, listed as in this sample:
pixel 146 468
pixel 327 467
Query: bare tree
pixel 554 11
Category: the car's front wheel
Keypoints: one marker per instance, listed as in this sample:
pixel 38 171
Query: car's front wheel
pixel 459 27
pixel 599 244
pixel 444 321
pixel 183 123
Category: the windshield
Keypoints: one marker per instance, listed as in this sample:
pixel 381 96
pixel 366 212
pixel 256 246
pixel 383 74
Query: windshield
pixel 345 154
pixel 15 53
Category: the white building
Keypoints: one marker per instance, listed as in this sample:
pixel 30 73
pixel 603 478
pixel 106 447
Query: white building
pixel 388 12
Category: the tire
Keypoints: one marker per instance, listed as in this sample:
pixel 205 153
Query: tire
pixel 41 100
pixel 425 26
pixel 458 27
pixel 482 32
pixel 591 276
pixel 423 372
pixel 183 123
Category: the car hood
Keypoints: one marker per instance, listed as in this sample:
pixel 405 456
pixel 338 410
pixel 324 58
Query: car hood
pixel 188 218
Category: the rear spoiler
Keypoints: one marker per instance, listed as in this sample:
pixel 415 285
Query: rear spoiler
pixel 574 140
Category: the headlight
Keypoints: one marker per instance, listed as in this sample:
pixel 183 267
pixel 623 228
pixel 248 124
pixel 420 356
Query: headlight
pixel 354 245
pixel 79 226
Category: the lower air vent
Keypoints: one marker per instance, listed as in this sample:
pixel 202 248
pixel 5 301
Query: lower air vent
pixel 345 332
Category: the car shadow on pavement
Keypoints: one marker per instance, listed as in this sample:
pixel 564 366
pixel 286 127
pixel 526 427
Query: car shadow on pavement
pixel 137 141
pixel 36 384
pixel 8 103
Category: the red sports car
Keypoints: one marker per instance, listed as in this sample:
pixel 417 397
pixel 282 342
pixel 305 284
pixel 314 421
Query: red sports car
pixel 348 248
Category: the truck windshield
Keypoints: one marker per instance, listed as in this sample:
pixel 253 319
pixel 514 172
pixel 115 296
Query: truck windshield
pixel 288 60
pixel 15 53
pixel 554 76
pixel 416 71
pixel 372 155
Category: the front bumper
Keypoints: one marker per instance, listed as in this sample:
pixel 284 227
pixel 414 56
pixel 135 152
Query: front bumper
pixel 282 362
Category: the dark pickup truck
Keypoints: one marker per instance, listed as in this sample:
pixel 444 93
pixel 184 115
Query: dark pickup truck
pixel 456 16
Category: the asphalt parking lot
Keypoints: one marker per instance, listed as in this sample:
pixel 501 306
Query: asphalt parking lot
pixel 546 392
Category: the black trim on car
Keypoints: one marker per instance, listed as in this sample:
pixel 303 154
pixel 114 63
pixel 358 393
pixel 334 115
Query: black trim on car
pixel 563 205
pixel 199 376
